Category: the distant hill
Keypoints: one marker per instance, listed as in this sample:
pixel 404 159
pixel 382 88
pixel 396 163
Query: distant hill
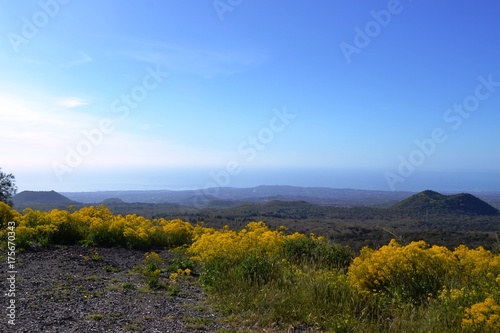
pixel 431 202
pixel 41 200
pixel 230 196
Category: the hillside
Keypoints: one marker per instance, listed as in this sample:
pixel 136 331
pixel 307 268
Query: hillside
pixel 41 199
pixel 447 220
pixel 431 202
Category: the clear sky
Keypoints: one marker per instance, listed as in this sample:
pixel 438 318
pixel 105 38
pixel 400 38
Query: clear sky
pixel 390 95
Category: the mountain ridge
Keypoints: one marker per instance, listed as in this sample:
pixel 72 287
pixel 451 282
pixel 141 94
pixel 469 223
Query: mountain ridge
pixel 263 193
pixel 414 203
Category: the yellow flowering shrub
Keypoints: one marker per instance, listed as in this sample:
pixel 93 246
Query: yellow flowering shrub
pixel 97 226
pixel 177 232
pixel 457 295
pixel 98 221
pixel 249 254
pixel 418 271
pixel 45 227
pixel 180 272
pixel 44 233
pixel 151 269
pixel 200 229
pixel 256 239
pixel 69 230
pixel 32 218
pixel 85 214
pixel 133 229
pixel 412 273
pixel 25 225
pixel 483 316
pixel 478 266
pixel 7 214
pixel 152 261
pixel 24 236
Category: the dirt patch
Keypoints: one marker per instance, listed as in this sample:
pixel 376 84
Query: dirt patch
pixel 79 289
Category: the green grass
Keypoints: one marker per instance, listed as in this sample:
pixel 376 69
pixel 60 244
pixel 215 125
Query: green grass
pixel 197 323
pixel 334 307
pixel 112 269
pixel 321 299
pixel 113 287
pixel 128 285
pixel 93 255
pixel 130 328
pixel 95 316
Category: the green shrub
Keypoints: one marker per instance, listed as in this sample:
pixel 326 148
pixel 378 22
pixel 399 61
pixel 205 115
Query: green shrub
pixel 152 278
pixel 316 252
pixel 182 262
pixel 213 273
pixel 151 269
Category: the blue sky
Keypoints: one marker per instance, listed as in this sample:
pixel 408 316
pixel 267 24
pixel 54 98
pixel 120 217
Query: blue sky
pixel 390 95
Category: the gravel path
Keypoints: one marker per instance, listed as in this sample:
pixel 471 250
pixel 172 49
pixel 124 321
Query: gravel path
pixel 79 289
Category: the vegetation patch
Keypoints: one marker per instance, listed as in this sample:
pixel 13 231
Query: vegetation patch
pixel 269 278
pixel 96 316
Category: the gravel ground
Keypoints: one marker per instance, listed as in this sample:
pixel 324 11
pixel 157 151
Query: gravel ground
pixel 79 289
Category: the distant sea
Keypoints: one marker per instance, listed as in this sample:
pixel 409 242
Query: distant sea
pixel 183 179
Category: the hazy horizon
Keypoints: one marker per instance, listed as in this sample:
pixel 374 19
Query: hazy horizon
pixel 387 95
pixel 191 180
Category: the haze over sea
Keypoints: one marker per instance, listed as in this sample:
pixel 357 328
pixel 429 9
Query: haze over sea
pixel 184 179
